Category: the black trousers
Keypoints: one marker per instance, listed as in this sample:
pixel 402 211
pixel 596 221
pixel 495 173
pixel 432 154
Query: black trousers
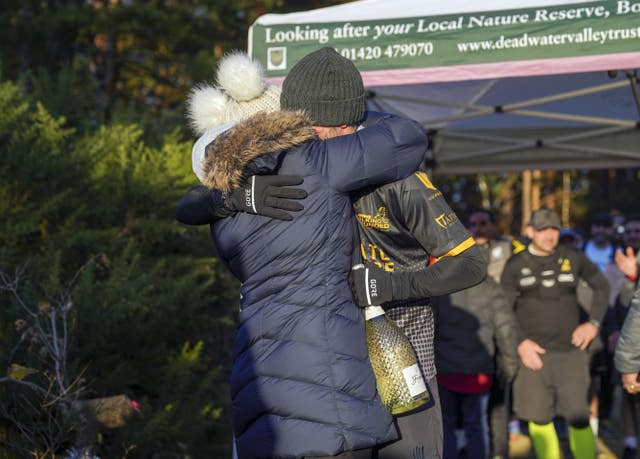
pixel 499 417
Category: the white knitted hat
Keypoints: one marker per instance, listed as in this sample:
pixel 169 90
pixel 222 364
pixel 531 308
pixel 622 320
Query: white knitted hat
pixel 241 92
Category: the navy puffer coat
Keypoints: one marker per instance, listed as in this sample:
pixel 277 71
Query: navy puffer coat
pixel 301 383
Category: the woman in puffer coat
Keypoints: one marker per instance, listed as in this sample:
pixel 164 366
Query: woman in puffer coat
pixel 302 384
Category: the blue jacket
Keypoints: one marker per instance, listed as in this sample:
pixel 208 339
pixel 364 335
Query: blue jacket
pixel 301 382
pixel 627 354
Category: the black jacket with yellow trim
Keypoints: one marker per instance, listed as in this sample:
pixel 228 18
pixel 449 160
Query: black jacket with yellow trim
pixel 301 382
pixel 407 225
pixel 404 227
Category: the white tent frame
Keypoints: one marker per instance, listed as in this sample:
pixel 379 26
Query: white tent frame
pixel 598 126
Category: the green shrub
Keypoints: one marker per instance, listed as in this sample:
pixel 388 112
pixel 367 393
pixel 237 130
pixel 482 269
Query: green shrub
pixel 152 312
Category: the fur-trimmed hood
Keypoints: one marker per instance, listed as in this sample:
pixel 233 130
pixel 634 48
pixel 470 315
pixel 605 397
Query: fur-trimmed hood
pixel 229 155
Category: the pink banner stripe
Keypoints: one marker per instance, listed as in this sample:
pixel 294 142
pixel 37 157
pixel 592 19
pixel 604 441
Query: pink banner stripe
pixel 498 70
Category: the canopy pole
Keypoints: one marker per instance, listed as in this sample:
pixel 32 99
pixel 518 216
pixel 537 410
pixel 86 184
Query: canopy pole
pixel 566 95
pixel 595 150
pixel 536 178
pixel 517 146
pixel 526 200
pixel 535 114
pixel 633 79
pixel 515 105
pixel 579 118
pixel 588 134
pixel 428 101
pixel 566 199
pixel 466 135
pixel 511 141
pixel 480 110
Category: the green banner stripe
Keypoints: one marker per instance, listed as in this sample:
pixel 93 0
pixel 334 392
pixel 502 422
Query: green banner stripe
pixel 581 29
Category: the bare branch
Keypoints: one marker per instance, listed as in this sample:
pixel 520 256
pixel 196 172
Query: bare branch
pixel 44 417
pixel 11 285
pixel 57 357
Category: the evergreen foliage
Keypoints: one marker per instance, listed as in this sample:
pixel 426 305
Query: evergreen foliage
pixel 93 159
pixel 152 312
pixel 118 52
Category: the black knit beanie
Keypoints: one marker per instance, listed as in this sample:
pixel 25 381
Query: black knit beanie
pixel 327 86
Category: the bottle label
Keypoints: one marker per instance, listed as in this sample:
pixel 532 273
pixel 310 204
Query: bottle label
pixel 415 381
pixel 372 311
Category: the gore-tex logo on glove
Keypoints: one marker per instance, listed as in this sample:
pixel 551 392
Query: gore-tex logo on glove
pixel 370 285
pixel 373 288
pixel 247 198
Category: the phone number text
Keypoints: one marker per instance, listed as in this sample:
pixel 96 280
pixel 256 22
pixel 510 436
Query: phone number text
pixel 366 53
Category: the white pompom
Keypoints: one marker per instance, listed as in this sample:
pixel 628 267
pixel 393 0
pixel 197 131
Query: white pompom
pixel 206 107
pixel 240 77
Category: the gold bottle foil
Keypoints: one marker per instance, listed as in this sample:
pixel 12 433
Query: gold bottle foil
pixel 398 378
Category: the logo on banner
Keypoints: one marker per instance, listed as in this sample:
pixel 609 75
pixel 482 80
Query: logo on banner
pixel 277 58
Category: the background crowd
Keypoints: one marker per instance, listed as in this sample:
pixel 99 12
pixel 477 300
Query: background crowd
pixel 611 242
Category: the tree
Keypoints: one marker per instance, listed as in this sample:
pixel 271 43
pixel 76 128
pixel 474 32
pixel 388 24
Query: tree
pixel 122 52
pixel 151 309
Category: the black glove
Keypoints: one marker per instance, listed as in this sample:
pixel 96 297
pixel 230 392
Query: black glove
pixel 370 285
pixel 268 195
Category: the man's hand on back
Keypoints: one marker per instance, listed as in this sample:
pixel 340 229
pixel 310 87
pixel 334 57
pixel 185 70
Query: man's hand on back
pixel 268 195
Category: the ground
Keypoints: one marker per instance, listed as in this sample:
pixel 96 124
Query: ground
pixel 609 445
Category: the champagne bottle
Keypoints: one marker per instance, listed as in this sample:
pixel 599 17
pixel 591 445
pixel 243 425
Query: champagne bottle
pixel 398 377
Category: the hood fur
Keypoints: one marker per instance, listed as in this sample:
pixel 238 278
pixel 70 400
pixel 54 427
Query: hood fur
pixel 227 157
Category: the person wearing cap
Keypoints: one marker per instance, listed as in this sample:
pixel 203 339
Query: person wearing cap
pixel 301 382
pixel 599 366
pixel 472 326
pixel 627 352
pixel 627 360
pixel 600 249
pixel 483 226
pixel 626 304
pixel 413 247
pixel 553 377
pixel 314 85
pixel 497 250
pixel 404 228
pixel 572 238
